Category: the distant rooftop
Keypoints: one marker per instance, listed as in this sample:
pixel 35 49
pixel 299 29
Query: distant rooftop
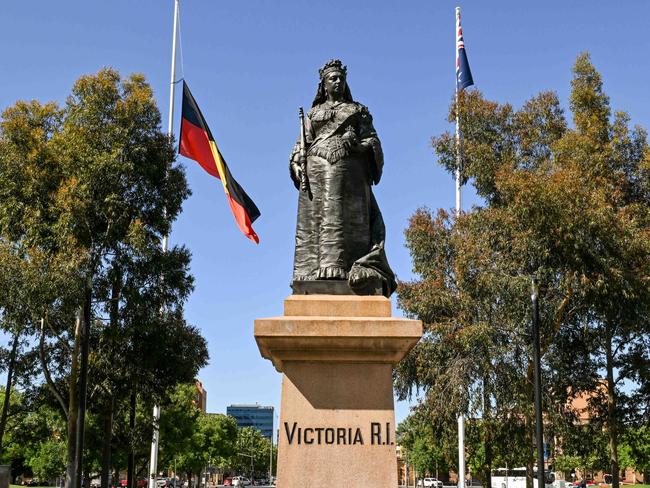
pixel 249 405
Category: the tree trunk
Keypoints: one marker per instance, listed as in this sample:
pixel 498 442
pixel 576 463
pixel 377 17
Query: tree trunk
pixel 530 458
pixel 487 438
pixel 530 431
pixel 108 414
pixel 106 444
pixel 10 377
pixel 612 421
pixel 71 467
pixel 46 372
pixel 83 380
pixel 130 470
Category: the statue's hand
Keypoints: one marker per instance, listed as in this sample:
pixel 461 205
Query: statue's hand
pixel 296 172
pixel 350 139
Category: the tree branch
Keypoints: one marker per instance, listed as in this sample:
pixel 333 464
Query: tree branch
pixel 46 371
pixel 63 342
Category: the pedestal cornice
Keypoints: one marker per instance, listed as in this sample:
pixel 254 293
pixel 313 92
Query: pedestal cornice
pixel 350 329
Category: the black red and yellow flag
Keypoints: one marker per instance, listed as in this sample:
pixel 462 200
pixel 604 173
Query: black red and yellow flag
pixel 198 144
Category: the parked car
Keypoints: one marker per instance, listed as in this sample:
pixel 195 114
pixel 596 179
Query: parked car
pixel 140 483
pixel 97 481
pixel 227 482
pixel 429 483
pixel 578 483
pixel 161 482
pixel 240 481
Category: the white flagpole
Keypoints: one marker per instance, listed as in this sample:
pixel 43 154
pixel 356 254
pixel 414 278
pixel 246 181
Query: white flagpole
pixel 458 157
pixel 461 417
pixel 172 82
pixel 153 460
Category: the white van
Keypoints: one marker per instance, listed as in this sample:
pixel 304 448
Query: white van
pixel 516 478
pixel 429 483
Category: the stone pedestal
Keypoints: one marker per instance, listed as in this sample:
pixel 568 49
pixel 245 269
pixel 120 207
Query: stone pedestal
pixel 337 420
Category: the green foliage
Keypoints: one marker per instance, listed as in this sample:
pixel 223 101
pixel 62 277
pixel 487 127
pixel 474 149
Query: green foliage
pixel 192 439
pixel 568 206
pixel 422 449
pixel 87 193
pixel 219 433
pixel 48 460
pixel 36 435
pixel 566 464
pixel 638 445
pixel 587 444
pixel 250 442
pixel 179 421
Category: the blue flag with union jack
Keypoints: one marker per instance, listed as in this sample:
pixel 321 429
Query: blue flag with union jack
pixel 463 73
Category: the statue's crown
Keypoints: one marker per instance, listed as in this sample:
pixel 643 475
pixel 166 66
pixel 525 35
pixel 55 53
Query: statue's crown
pixel 333 65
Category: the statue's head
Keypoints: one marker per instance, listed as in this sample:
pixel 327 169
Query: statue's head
pixel 333 65
pixel 331 73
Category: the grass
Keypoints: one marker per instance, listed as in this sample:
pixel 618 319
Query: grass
pixel 626 485
pixel 21 486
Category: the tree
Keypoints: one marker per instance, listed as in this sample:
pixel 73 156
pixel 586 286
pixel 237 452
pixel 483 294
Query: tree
pixel 192 439
pixel 30 279
pixel 35 438
pixel 567 205
pixel 48 461
pixel 251 453
pixel 427 452
pixel 179 421
pixel 118 187
pixel 88 192
pixel 638 445
pixel 148 309
pixel 220 434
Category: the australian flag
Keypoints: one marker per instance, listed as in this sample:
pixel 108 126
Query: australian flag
pixel 463 73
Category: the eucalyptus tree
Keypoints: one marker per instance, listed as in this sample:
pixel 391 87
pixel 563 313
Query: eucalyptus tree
pixel 87 193
pixel 38 274
pixel 568 205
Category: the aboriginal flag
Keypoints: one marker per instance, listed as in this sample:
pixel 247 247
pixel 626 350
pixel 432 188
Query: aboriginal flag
pixel 198 144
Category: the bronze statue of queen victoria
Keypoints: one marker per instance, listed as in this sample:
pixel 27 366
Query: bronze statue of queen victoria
pixel 340 232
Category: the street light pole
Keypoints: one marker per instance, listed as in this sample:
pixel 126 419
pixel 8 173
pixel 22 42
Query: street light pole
pixel 539 428
pixel 271 459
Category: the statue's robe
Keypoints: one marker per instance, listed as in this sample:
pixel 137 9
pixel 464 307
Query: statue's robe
pixel 340 232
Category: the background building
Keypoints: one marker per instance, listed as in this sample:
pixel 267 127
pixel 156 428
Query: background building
pixel 201 396
pixel 256 416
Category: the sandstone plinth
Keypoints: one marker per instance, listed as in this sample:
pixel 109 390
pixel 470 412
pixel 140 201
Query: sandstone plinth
pixel 337 421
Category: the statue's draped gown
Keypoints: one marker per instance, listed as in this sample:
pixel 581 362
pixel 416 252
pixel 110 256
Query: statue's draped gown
pixel 340 226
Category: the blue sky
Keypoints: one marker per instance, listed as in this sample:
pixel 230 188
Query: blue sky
pixel 251 64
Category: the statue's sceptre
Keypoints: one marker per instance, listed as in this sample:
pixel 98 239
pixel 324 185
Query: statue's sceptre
pixel 304 182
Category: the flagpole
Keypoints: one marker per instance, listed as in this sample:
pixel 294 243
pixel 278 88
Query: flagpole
pixel 153 460
pixel 461 416
pixel 458 158
pixel 172 82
